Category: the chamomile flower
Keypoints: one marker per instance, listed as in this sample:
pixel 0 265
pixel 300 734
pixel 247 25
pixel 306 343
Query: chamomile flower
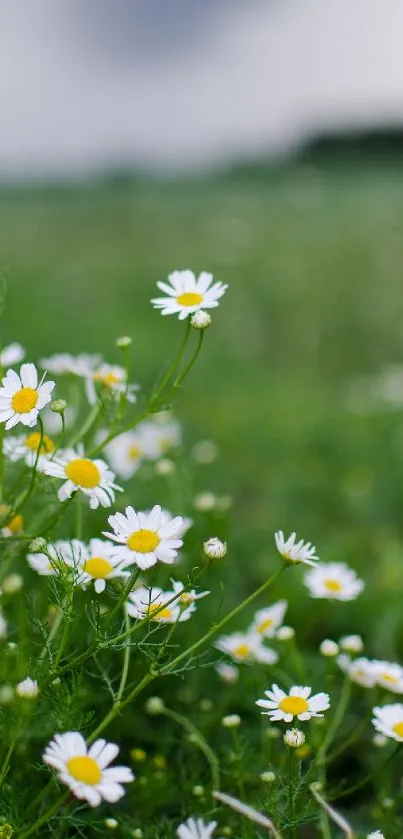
pixel 246 648
pixel 91 477
pixel 297 703
pixel 187 598
pixel 388 720
pixel 360 670
pixel 186 294
pixel 21 397
pixel 294 552
pixel 146 538
pixel 389 675
pixel 267 621
pixel 160 435
pixel 11 355
pixel 97 563
pixel 156 604
pixel 77 365
pixel 61 557
pixel 25 447
pixel 376 835
pixel 85 770
pixel 113 379
pixel 126 453
pixel 196 829
pixel 334 581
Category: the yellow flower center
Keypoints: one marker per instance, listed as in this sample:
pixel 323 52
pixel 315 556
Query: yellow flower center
pixel 266 624
pixel 388 678
pixel 83 472
pixel 143 541
pixel 107 379
pixel 15 524
pixel 134 453
pixel 242 651
pixel 185 598
pixel 24 400
pixel 189 298
pixel 98 567
pixel 84 769
pixel 164 614
pixel 398 729
pixel 333 585
pixel 293 705
pixel 33 440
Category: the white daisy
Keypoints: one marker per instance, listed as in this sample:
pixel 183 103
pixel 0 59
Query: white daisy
pixel 245 648
pixel 21 397
pixel 334 581
pixel 376 835
pixel 297 703
pixel 113 379
pixel 125 453
pixel 146 538
pixel 79 473
pixel 145 602
pixel 85 770
pixel 294 552
pixel 159 435
pixel 360 670
pixel 77 365
pixel 267 621
pixel 97 563
pixel 25 447
pixel 389 675
pixel 187 599
pixel 388 720
pixel 196 829
pixel 186 294
pixel 62 556
pixel 11 355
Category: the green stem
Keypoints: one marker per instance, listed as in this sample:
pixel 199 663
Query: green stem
pixel 24 497
pixel 79 516
pixel 375 772
pixel 223 622
pixel 45 818
pixel 198 740
pixel 125 593
pixel 86 426
pixel 337 719
pixel 53 632
pixel 177 383
pixel 7 759
pixel 172 367
pixel 117 707
pixel 126 662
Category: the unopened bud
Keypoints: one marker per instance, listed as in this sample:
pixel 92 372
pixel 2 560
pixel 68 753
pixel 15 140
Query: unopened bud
pixel 6 694
pixel 268 777
pixel 285 633
pixel 200 319
pixel 37 545
pixel 58 406
pixel 294 738
pixel 12 584
pixel 214 548
pixel 111 824
pixel 154 706
pixel 231 721
pixel 329 648
pixel 198 791
pixel 123 342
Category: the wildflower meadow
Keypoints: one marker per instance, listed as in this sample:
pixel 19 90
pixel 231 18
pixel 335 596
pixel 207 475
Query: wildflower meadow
pixel 179 657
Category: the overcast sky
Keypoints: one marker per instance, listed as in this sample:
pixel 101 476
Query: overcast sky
pixel 188 83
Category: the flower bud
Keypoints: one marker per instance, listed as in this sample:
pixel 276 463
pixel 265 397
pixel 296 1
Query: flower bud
pixel 154 706
pixel 214 548
pixel 137 833
pixel 285 633
pixel 204 501
pixel 123 342
pixel 200 319
pixel 58 406
pixel 111 824
pixel 27 689
pixel 6 694
pixel 198 791
pixel 164 467
pixel 352 643
pixel 294 738
pixel 267 777
pixel 329 648
pixel 231 721
pixel 12 584
pixel 37 545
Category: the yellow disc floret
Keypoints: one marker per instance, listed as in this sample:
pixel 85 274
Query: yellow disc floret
pixel 84 769
pixel 83 472
pixel 134 452
pixel 398 729
pixel 143 541
pixel 264 625
pixel 98 567
pixel 33 440
pixel 189 298
pixel 333 585
pixel 24 400
pixel 242 651
pixel 293 705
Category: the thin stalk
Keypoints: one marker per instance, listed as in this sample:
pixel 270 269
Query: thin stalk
pixel 79 516
pixel 24 497
pixel 198 740
pixel 337 719
pixel 7 759
pixel 45 818
pixel 126 662
pixel 86 426
pixel 172 367
pixel 177 383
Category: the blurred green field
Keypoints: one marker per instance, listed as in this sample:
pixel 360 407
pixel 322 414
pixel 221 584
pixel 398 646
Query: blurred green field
pixel 314 261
